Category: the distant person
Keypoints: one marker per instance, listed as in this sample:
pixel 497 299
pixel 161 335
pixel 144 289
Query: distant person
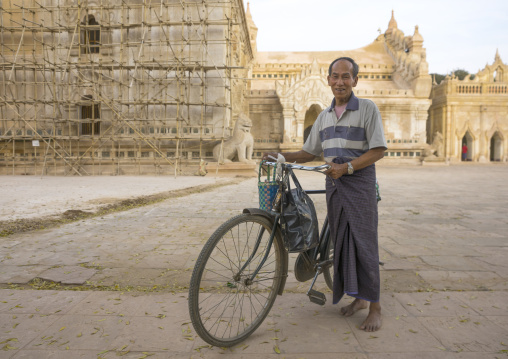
pixel 350 135
pixel 464 152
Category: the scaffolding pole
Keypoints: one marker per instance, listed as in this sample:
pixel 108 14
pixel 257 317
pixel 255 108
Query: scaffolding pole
pixel 117 87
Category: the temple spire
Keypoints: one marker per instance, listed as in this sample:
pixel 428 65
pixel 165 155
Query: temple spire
pixel 248 15
pixel 417 36
pixel 253 30
pixel 392 24
pixel 497 57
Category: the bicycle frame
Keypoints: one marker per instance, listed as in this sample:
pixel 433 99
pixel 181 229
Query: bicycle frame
pixel 255 249
pixel 274 218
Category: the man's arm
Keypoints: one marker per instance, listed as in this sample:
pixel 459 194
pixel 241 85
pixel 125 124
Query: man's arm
pixel 371 156
pixel 299 157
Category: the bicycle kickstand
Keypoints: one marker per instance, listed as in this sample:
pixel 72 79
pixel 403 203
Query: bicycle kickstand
pixel 314 295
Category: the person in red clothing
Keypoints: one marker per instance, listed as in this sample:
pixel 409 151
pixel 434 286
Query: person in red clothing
pixel 464 152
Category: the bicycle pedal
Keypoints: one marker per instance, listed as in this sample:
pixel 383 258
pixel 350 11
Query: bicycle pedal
pixel 316 297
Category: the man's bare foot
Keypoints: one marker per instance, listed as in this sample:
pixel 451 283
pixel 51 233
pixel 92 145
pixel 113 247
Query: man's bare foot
pixel 373 321
pixel 352 308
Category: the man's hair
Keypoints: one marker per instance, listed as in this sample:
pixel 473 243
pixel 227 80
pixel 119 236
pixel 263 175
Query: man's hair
pixel 355 65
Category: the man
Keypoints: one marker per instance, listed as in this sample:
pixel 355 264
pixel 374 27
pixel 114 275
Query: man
pixel 350 134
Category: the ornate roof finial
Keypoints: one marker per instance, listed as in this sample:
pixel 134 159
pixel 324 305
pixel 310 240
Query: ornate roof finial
pixel 497 57
pixel 314 69
pixel 392 24
pixel 417 36
pixel 248 16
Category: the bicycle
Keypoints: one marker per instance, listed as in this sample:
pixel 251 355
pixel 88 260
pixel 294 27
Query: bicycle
pixel 243 267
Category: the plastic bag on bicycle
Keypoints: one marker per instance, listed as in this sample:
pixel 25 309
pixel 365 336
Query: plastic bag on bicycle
pixel 298 217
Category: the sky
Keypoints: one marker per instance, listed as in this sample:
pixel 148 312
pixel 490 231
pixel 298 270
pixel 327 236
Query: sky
pixel 458 34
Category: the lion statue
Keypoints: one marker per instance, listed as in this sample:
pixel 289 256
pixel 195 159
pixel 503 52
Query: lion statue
pixel 240 145
pixel 436 149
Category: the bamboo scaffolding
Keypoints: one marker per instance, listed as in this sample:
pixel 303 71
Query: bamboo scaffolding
pixel 160 74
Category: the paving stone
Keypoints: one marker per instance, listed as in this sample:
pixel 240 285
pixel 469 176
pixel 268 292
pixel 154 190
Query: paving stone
pixel 142 277
pixel 486 303
pixel 122 304
pixel 461 280
pixel 402 334
pixel 68 274
pixel 403 281
pixel 54 354
pixel 466 333
pixel 436 304
pixel 39 302
pixel 391 262
pixel 7 244
pixel 501 321
pixel 452 263
pixel 18 330
pixel 20 274
pixel 443 354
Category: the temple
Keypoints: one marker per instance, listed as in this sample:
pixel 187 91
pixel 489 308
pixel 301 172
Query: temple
pixel 89 88
pixel 473 111
pixel 423 121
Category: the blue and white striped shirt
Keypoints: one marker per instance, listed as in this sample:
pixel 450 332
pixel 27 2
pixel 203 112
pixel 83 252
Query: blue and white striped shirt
pixel 358 130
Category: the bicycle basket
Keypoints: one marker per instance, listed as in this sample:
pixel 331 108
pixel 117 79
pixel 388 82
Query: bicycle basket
pixel 267 189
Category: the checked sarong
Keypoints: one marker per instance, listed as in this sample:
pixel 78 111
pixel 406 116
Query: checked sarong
pixel 353 219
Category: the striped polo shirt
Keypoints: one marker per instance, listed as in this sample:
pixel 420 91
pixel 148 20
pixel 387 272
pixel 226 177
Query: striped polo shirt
pixel 358 130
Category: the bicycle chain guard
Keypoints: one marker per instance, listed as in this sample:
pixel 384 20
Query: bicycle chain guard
pixel 303 271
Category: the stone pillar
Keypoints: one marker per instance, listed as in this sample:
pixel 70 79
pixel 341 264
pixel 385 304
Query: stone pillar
pixel 444 118
pixel 483 142
pixel 300 121
pixel 289 117
pixel 275 132
pixel 454 154
pixel 447 137
pixel 288 132
pixel 419 132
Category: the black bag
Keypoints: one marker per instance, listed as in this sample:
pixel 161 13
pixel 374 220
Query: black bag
pixel 298 217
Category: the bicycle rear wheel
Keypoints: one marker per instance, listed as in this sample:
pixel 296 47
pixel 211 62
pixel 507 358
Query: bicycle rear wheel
pixel 226 304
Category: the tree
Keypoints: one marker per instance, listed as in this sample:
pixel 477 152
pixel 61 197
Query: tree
pixel 438 77
pixel 460 73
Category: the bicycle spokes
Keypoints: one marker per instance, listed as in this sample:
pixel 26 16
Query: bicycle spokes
pixel 235 280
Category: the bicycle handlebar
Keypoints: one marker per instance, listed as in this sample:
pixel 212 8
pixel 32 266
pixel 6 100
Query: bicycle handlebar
pixel 319 169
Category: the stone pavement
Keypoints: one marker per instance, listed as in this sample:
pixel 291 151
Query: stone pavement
pixel 36 196
pixel 443 239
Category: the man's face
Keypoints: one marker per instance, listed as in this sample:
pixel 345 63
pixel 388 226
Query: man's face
pixel 342 81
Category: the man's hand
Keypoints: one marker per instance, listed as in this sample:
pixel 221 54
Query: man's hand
pixel 273 154
pixel 336 170
pixel 298 157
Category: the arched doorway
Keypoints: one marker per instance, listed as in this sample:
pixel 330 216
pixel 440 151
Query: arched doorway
pixel 496 147
pixel 468 141
pixel 310 117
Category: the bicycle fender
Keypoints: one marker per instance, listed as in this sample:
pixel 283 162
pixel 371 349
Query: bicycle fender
pixel 285 260
pixel 260 212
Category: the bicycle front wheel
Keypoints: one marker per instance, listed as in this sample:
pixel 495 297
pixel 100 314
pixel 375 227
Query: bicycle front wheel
pixel 235 280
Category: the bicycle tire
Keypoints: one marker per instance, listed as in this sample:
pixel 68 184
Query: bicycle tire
pixel 225 308
pixel 328 272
